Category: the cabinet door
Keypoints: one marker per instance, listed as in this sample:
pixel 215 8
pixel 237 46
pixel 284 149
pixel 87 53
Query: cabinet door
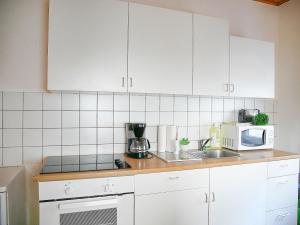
pixel 188 207
pixel 88 45
pixel 252 68
pixel 238 195
pixel 211 56
pixel 160 50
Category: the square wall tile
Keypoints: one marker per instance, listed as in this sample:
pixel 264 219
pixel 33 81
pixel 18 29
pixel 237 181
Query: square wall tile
pixel 33 155
pixel 88 136
pixel 193 119
pixel 153 147
pixel 205 104
pixel 182 132
pixel 51 151
pixel 119 148
pixel 33 119
pixel 70 101
pixel 1 108
pixel 70 150
pixel 193 104
pixel 88 118
pixel 217 117
pixel 52 119
pixel 152 103
pixel 137 103
pixel 51 137
pixel 120 118
pixel 87 149
pixel 152 118
pixel 205 118
pixel 151 134
pixel 180 104
pixel 51 101
pixel 204 132
pixel 166 118
pixel 105 102
pixel 228 104
pixel 269 105
pixel 229 117
pixel 88 101
pixel 166 104
pixel 249 103
pixel 33 101
pixel 105 135
pixel 106 149
pixel 121 103
pixel 12 137
pixel 137 117
pixel 1 125
pixel 12 101
pixel 70 136
pixel 70 119
pixel 119 136
pixel 12 156
pixel 180 118
pixel 1 138
pixel 194 133
pixel 32 137
pixel 259 104
pixel 12 119
pixel 217 104
pixel 106 119
pixel 239 103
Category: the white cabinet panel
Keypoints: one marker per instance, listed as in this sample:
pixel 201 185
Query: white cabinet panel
pixel 286 216
pixel 211 56
pixel 283 167
pixel 88 45
pixel 160 50
pixel 282 192
pixel 188 207
pixel 238 195
pixel 252 68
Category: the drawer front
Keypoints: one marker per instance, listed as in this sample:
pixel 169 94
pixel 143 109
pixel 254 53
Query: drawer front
pixel 283 167
pixel 282 192
pixel 171 181
pixel 86 187
pixel 286 216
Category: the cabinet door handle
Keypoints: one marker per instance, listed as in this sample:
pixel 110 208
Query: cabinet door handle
pixel 174 178
pixel 213 197
pixel 232 88
pixel 123 81
pixel 131 82
pixel 226 88
pixel 206 198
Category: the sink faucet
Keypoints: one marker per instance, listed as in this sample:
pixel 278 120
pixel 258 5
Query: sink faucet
pixel 203 143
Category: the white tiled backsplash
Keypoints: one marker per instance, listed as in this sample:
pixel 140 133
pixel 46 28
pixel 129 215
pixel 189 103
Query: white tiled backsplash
pixel 36 125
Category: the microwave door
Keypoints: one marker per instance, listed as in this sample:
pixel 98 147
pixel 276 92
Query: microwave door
pixel 253 137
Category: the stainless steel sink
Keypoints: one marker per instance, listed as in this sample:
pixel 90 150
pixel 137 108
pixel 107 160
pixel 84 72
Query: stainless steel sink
pixel 219 154
pixel 196 155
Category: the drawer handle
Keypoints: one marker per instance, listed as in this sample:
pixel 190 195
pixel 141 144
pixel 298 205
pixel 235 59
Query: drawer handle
pixel 213 197
pixel 284 165
pixel 282 182
pixel 174 178
pixel 282 216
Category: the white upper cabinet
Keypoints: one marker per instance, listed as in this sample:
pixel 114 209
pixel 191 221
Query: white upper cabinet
pixel 211 56
pixel 252 68
pixel 88 45
pixel 160 50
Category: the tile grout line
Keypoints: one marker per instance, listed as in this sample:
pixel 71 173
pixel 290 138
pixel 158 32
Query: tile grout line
pixel 23 162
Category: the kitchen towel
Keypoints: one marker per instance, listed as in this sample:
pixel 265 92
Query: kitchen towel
pixel 162 138
pixel 171 138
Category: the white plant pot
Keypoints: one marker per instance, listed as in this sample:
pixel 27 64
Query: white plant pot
pixel 184 147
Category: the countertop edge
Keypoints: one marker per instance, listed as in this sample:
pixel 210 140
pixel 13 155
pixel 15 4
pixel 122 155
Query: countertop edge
pixel 172 167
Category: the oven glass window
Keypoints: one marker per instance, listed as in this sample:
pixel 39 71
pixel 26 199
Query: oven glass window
pixel 96 217
pixel 253 137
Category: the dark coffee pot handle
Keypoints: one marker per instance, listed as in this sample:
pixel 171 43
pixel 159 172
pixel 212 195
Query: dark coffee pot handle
pixel 149 143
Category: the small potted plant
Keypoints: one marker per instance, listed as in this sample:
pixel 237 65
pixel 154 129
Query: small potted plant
pixel 260 119
pixel 184 144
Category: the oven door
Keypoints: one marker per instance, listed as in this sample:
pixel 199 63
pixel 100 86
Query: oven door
pixel 3 209
pixel 110 210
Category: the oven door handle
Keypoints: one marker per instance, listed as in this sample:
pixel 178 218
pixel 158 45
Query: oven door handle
pixel 87 205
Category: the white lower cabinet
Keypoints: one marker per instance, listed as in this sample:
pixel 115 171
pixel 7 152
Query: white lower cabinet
pixel 286 216
pixel 186 207
pixel 238 195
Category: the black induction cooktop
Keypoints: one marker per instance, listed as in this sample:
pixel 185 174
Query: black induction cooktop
pixel 76 163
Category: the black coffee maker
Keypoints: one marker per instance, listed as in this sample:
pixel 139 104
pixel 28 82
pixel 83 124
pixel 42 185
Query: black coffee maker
pixel 137 145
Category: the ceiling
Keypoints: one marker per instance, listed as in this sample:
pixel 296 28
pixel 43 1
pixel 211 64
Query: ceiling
pixel 273 2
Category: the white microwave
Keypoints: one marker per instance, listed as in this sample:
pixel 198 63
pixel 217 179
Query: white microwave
pixel 247 137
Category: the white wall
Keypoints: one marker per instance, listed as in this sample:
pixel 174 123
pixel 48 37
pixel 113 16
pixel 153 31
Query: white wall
pixel 289 76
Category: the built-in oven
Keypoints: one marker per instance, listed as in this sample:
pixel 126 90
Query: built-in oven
pixel 98 201
pixel 3 211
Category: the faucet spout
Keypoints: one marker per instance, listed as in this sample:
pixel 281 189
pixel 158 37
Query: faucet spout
pixel 203 143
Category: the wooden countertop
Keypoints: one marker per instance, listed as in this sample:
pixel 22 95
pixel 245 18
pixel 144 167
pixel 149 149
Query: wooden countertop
pixel 156 165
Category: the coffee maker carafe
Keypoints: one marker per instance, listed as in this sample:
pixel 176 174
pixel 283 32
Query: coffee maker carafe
pixel 137 144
